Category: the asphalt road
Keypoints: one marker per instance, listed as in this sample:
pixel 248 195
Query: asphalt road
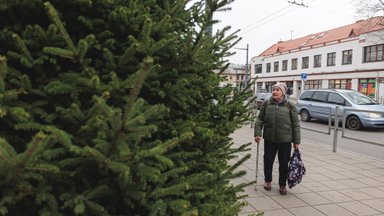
pixel 370 143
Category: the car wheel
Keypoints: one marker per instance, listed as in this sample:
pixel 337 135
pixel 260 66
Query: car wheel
pixel 353 123
pixel 304 116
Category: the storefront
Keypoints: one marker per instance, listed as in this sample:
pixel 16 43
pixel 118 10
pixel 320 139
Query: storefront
pixel 367 87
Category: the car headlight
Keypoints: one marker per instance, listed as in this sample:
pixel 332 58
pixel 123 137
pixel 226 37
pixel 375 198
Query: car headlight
pixel 372 115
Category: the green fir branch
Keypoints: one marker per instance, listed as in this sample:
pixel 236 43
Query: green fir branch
pixel 7 152
pixel 23 48
pixel 55 51
pixel 25 159
pixel 236 165
pixel 162 148
pixel 102 159
pixel 141 75
pixel 3 74
pixel 54 16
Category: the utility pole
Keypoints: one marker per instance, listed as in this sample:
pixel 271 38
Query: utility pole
pixel 208 29
pixel 246 64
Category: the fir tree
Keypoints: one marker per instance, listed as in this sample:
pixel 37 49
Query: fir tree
pixel 111 107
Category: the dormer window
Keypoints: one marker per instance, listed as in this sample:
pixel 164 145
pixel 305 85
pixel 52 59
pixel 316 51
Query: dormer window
pixel 303 44
pixel 321 35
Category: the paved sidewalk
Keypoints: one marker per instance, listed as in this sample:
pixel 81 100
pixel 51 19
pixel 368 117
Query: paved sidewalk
pixel 339 184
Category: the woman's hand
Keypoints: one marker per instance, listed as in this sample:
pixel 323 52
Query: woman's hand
pixel 258 138
pixel 295 146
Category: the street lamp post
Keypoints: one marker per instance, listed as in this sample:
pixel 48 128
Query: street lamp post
pixel 246 64
pixel 208 29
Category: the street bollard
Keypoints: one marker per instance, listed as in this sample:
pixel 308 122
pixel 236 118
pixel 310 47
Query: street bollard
pixel 336 129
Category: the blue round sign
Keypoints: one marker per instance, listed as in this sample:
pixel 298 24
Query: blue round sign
pixel 303 76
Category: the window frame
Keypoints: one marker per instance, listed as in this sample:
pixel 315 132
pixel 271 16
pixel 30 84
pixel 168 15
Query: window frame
pixel 276 66
pixel 305 62
pixel 347 57
pixel 374 53
pixel 331 59
pixel 317 61
pixel 284 66
pixel 258 68
pixel 294 64
pixel 340 83
pixel 313 84
pixel 268 70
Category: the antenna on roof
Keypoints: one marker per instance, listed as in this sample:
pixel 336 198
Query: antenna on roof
pixel 295 3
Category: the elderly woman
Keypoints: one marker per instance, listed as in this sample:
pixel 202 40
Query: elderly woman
pixel 281 128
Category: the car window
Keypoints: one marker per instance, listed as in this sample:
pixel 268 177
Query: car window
pixel 264 96
pixel 336 98
pixel 306 95
pixel 360 99
pixel 320 96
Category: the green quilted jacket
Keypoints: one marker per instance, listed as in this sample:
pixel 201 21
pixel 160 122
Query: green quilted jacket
pixel 279 122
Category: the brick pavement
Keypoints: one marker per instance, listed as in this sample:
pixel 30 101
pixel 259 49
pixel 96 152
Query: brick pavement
pixel 336 184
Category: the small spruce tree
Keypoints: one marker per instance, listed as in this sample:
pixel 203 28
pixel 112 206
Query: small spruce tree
pixel 111 107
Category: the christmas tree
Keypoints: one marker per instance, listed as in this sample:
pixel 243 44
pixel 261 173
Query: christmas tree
pixel 111 107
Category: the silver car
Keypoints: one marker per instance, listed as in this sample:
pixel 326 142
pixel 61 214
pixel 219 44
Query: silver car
pixel 361 111
pixel 261 97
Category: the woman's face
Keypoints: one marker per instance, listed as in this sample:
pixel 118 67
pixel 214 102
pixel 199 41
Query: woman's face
pixel 277 94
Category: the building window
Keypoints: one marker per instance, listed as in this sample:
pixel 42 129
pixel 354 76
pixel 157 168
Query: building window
pixel 347 57
pixel 374 53
pixel 258 68
pixel 367 87
pixel 239 77
pixel 317 61
pixel 268 67
pixel 294 64
pixel 268 86
pixel 313 84
pixel 340 84
pixel 285 65
pixel 275 66
pixel 259 86
pixel 331 59
pixel 305 62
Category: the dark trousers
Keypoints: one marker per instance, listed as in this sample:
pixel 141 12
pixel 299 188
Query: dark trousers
pixel 283 151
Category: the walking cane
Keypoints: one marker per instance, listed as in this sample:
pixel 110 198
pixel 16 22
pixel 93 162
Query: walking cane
pixel 257 162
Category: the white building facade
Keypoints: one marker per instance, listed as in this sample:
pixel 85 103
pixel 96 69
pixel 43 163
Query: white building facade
pixel 348 57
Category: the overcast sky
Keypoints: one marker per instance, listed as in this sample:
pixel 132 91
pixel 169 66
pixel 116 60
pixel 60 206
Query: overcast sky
pixel 265 22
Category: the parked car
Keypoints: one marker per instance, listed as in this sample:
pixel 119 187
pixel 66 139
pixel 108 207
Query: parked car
pixel 319 103
pixel 261 97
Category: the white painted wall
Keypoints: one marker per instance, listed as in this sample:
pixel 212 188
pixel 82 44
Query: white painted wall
pixel 324 72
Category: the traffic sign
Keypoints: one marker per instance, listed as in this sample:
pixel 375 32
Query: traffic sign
pixel 303 76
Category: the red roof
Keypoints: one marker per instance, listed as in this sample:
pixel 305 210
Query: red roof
pixel 344 32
